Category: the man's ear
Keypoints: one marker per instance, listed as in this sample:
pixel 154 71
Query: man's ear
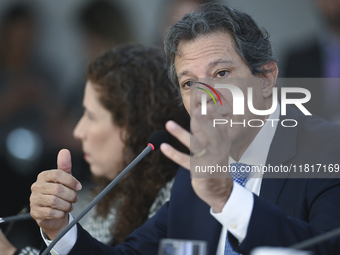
pixel 269 78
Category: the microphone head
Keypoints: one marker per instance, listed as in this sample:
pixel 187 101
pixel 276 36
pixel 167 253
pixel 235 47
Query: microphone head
pixel 158 138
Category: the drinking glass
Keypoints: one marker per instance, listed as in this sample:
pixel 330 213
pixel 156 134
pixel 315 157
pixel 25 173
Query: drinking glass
pixel 182 247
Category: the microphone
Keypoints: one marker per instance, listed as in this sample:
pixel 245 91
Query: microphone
pixel 154 143
pixel 296 248
pixel 25 216
pixel 316 240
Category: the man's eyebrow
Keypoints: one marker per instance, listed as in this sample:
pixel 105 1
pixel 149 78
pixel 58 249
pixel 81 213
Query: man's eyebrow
pixel 185 72
pixel 220 61
pixel 213 63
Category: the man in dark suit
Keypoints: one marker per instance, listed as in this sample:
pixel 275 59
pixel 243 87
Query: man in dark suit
pixel 236 214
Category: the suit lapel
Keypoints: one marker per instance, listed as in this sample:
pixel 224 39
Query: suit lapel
pixel 282 149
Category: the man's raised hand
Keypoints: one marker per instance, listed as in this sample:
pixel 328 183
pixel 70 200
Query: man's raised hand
pixel 210 146
pixel 53 194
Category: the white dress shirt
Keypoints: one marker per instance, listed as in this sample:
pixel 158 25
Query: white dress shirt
pixel 66 243
pixel 235 216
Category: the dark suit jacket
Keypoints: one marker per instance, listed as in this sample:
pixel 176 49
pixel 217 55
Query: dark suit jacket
pixel 286 212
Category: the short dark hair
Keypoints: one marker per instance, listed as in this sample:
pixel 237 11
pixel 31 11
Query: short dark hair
pixel 251 42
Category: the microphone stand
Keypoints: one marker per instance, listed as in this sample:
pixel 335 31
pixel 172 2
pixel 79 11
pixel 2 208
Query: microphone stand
pixel 25 216
pixel 316 240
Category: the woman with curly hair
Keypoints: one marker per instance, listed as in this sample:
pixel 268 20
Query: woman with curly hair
pixel 127 98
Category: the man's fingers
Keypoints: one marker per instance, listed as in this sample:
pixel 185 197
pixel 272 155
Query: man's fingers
pixel 64 161
pixel 180 133
pixel 179 158
pixel 184 137
pixel 57 190
pixel 53 202
pixel 202 128
pixel 59 176
pixel 47 213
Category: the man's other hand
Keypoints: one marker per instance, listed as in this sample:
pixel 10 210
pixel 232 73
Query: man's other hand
pixel 53 194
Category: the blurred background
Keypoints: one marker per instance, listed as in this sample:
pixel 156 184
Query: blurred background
pixel 45 47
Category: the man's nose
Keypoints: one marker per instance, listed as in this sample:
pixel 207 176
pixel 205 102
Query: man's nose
pixel 202 98
pixel 198 95
pixel 203 94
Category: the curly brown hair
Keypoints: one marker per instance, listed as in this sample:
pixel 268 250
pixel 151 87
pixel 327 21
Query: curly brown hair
pixel 133 86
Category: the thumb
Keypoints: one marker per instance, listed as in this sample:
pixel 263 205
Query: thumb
pixel 64 161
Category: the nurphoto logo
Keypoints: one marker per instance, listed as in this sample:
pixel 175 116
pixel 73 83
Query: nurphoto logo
pixel 239 103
